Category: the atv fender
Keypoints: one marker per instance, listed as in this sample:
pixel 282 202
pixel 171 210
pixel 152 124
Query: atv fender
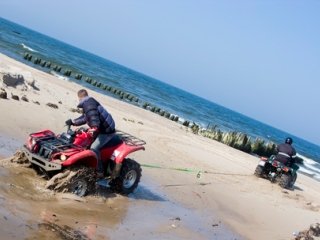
pixel 124 150
pixel 86 157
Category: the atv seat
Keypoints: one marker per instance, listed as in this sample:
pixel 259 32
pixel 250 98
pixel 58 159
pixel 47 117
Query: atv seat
pixel 114 141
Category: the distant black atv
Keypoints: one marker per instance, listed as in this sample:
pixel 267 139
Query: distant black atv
pixel 276 171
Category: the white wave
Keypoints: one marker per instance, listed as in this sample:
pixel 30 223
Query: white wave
pixel 310 167
pixel 304 170
pixel 310 164
pixel 28 48
pixel 59 76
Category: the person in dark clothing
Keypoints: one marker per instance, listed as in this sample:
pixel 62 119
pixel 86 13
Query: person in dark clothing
pixel 286 153
pixel 101 123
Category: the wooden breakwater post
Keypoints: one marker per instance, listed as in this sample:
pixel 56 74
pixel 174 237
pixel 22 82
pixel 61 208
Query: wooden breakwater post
pixel 186 123
pixel 88 80
pixel 67 73
pixel 94 83
pixel 78 76
pixel 145 105
pixel 37 61
pixel 57 68
pixel 26 56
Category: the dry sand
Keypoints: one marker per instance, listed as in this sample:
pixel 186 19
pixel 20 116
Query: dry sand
pixel 169 204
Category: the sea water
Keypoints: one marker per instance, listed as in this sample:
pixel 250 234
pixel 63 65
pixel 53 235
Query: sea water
pixel 15 40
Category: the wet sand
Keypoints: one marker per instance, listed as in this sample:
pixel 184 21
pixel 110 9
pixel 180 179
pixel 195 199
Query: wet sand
pixel 225 202
pixel 29 211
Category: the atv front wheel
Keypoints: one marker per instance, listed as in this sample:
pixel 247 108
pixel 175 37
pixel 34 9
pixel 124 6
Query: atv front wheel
pixel 129 177
pixel 286 181
pixel 259 171
pixel 79 181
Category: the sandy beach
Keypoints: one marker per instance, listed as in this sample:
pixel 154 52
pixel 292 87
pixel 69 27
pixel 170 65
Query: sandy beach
pixel 228 202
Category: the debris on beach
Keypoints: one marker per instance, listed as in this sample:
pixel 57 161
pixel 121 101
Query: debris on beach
pixel 15 97
pixel 52 105
pixel 313 206
pixel 77 110
pixel 24 98
pixel 13 80
pixel 176 221
pixel 3 94
pixel 36 102
pixel 310 234
pixel 32 84
pixel 18 81
pixel 60 102
pixel 63 232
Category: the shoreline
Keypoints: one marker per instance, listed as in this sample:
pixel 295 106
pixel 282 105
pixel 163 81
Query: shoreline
pixel 249 206
pixel 243 141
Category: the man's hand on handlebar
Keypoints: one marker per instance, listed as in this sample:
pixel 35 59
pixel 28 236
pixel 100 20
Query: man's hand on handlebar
pixel 93 132
pixel 69 122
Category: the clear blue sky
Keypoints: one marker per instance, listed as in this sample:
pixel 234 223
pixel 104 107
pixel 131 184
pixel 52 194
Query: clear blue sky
pixel 260 58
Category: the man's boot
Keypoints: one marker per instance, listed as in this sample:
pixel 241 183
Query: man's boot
pixel 116 171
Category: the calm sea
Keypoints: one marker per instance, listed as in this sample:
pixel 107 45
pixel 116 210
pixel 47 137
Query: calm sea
pixel 15 40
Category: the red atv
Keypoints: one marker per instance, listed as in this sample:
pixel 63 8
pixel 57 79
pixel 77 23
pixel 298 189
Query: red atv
pixel 70 165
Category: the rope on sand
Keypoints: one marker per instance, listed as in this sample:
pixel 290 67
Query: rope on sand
pixel 199 172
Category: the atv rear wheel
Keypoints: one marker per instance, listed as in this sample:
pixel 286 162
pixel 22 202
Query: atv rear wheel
pixel 79 181
pixel 294 179
pixel 286 181
pixel 129 177
pixel 259 171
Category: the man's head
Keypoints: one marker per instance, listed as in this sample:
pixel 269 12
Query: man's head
pixel 82 94
pixel 289 140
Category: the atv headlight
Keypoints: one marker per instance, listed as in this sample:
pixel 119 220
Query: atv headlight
pixel 33 142
pixel 63 157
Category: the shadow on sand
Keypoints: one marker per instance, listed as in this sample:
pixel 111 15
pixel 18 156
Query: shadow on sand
pixel 297 188
pixel 143 193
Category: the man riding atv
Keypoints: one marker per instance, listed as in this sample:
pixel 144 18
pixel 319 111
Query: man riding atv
pixel 280 168
pixel 286 153
pixel 102 127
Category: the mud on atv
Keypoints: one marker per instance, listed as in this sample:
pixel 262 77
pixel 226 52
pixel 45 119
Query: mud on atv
pixel 276 171
pixel 70 166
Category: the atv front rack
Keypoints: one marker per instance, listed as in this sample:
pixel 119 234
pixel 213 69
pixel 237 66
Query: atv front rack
pixel 41 161
pixel 52 144
pixel 130 139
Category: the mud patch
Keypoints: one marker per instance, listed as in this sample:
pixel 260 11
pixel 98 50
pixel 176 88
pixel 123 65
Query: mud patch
pixel 68 181
pixel 28 211
pixel 63 232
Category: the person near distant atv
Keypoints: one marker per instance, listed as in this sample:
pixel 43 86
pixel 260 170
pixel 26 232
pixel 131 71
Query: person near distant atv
pixel 102 127
pixel 286 153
